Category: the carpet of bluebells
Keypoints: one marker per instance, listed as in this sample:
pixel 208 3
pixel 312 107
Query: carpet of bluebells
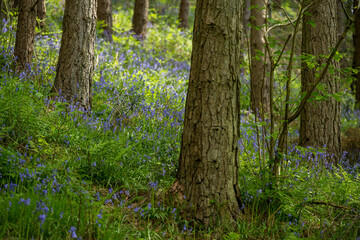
pixel 67 173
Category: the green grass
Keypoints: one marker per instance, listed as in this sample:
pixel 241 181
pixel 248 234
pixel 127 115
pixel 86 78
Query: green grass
pixel 105 175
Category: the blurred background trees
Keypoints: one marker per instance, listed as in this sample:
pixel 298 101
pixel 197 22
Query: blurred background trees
pixel 96 90
pixel 104 17
pixel 25 34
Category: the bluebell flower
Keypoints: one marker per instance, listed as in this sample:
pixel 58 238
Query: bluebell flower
pixel 72 231
pixel 154 185
pixel 42 218
pixel 26 202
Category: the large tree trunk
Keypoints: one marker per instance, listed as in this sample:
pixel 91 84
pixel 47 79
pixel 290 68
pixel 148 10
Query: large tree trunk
pixel 41 13
pixel 260 85
pixel 104 14
pixel 320 120
pixel 356 58
pixel 184 14
pixel 208 164
pixel 140 17
pixel 25 34
pixel 75 66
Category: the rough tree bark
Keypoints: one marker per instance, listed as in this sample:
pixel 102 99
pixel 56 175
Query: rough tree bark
pixel 260 85
pixel 184 14
pixel 356 58
pixel 140 17
pixel 41 13
pixel 104 14
pixel 75 66
pixel 208 164
pixel 25 33
pixel 320 120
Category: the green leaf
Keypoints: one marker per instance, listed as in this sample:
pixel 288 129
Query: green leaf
pixel 253 6
pixel 338 56
pixel 39 94
pixel 310 65
pixel 312 23
pixel 337 96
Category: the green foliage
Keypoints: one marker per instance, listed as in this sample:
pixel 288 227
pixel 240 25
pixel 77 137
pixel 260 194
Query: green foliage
pixel 104 174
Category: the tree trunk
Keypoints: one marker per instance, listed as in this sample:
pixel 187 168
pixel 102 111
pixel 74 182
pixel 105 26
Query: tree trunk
pixel 246 16
pixel 41 13
pixel 25 34
pixel 341 23
pixel 260 85
pixel 104 14
pixel 140 17
pixel 184 14
pixel 208 164
pixel 356 58
pixel 75 66
pixel 341 20
pixel 320 120
pixel 245 37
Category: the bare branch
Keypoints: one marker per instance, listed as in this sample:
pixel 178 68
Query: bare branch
pixel 283 10
pixel 332 205
pixel 345 11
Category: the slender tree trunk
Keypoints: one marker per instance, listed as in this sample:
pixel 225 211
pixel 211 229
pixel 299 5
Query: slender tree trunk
pixel 245 37
pixel 208 164
pixel 320 120
pixel 246 16
pixel 260 85
pixel 184 14
pixel 41 13
pixel 25 34
pixel 140 17
pixel 356 58
pixel 75 66
pixel 341 20
pixel 104 14
pixel 341 23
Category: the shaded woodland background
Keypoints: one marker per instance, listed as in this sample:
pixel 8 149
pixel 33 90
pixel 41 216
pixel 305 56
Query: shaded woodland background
pixel 179 119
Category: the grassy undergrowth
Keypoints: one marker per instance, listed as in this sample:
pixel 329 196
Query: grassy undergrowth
pixel 103 174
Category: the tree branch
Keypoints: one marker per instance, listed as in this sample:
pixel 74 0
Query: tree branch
pixel 332 205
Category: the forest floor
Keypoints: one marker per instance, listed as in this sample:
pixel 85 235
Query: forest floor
pixel 104 174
